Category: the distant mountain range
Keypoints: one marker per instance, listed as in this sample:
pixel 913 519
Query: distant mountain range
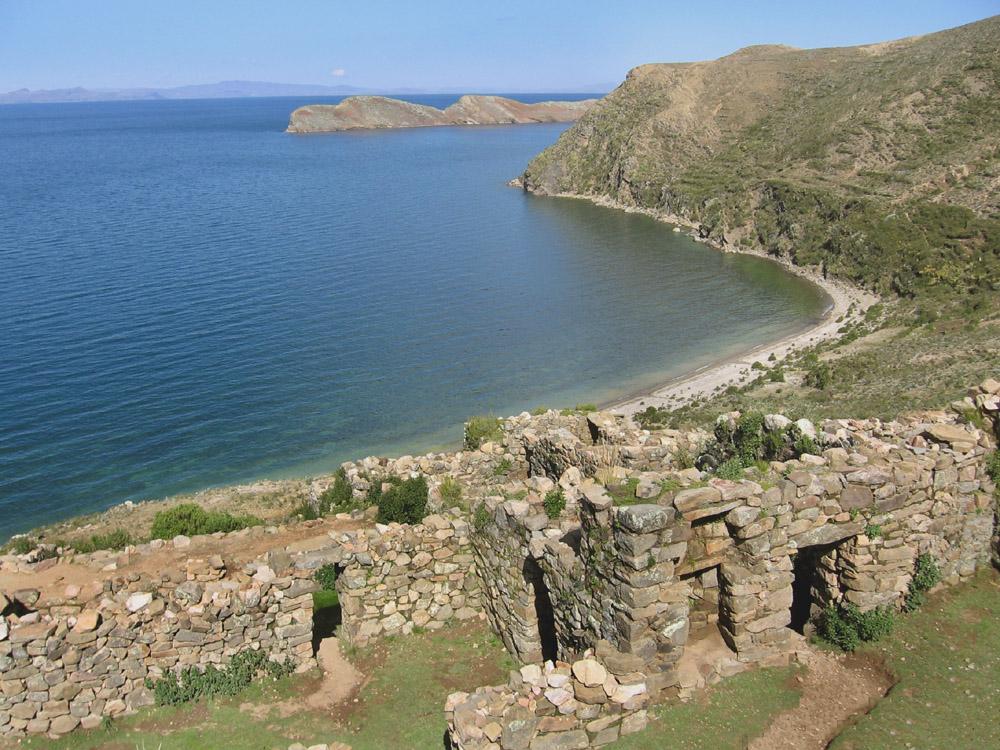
pixel 222 90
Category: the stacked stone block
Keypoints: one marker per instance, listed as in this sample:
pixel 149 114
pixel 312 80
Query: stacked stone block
pixel 74 660
pixel 556 706
pixel 397 577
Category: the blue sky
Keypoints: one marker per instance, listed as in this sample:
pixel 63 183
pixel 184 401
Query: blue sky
pixel 542 45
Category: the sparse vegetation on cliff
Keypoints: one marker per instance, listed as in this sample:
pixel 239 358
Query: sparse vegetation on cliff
pixel 877 163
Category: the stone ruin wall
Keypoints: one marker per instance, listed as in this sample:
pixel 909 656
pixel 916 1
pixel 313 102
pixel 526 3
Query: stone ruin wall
pixel 620 585
pixel 70 661
pixel 396 577
pixel 619 579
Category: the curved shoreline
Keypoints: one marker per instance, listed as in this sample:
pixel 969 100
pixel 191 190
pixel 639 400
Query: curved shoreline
pixel 847 304
pixel 734 369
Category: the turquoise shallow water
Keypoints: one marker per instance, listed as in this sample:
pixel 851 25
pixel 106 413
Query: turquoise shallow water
pixel 191 297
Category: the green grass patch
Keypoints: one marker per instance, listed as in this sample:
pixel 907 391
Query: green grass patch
pixel 947 660
pixel 113 540
pixel 401 706
pixel 190 519
pixel 736 711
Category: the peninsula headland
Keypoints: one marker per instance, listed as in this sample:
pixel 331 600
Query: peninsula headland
pixel 371 112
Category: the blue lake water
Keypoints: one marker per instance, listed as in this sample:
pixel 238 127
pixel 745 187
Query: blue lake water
pixel 191 297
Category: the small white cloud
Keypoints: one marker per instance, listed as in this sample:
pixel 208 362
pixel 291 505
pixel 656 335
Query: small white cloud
pixel 338 72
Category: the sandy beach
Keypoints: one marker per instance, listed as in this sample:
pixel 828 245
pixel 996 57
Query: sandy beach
pixel 847 304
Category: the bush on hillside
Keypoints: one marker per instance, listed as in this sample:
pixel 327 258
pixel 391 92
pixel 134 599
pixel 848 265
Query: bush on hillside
pixel 404 502
pixel 482 429
pixel 481 519
pixel 926 575
pixel 193 683
pixel 848 627
pixel 326 576
pixel 451 492
pixel 819 376
pixel 554 503
pixel 113 540
pixel 339 496
pixel 190 519
pixel 22 545
pixel 993 466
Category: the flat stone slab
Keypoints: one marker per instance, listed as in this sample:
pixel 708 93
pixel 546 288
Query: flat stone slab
pixel 643 518
pixel 955 435
pixel 829 533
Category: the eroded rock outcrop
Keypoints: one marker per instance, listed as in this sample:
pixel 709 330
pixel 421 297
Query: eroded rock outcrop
pixel 370 112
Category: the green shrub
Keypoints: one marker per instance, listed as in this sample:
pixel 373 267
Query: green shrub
pixel 190 519
pixel 192 684
pixel 578 409
pixel 748 438
pixel 926 575
pixel 993 466
pixel 23 545
pixel 482 429
pixel 482 517
pixel 801 443
pixel 683 458
pixel 404 502
pixel 874 312
pixel 776 374
pixel 554 502
pixel 819 376
pixel 975 418
pixel 775 447
pixel 875 624
pixel 847 627
pixel 835 629
pixel 113 540
pixel 731 469
pixel 339 496
pixel 652 417
pixel 326 576
pixel 306 512
pixel 873 530
pixel 502 468
pixel 451 492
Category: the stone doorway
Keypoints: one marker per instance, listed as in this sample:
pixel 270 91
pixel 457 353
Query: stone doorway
pixel 815 585
pixel 327 612
pixel 544 615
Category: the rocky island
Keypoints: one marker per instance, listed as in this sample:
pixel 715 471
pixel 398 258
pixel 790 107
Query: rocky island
pixel 369 112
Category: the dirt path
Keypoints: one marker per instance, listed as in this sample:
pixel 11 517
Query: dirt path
pixel 340 678
pixel 235 550
pixel 834 690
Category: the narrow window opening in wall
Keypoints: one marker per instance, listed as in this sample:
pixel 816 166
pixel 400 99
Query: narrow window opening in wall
pixel 543 612
pixel 704 602
pixel 327 614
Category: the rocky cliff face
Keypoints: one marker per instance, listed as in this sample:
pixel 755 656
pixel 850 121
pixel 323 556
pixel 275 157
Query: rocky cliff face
pixel 361 112
pixel 881 162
